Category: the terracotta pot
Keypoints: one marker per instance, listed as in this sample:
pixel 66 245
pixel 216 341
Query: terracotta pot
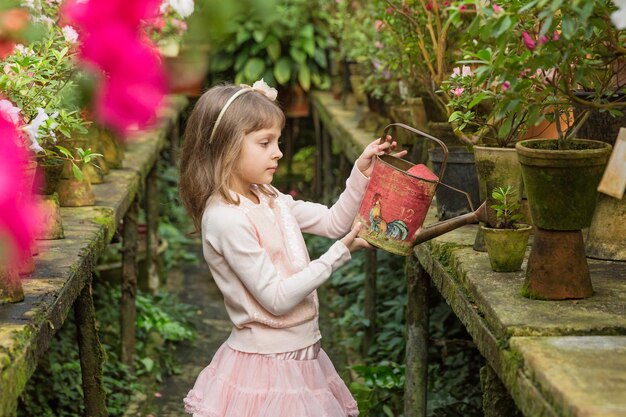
pixel 28 265
pixel 187 71
pixel 295 101
pixel 561 184
pixel 48 175
pixel 74 192
pixel 112 149
pixel 51 210
pixel 506 247
pixel 10 285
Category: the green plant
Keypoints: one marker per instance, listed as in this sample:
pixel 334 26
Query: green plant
pixel 554 56
pixel 287 48
pixel 170 25
pixel 507 207
pixel 41 79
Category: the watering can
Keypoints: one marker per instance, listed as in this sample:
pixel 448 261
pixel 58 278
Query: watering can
pixel 398 197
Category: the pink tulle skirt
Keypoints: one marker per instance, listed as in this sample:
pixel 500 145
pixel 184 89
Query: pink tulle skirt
pixel 239 384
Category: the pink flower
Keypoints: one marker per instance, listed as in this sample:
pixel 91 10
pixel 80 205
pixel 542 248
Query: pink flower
pixel 157 395
pixel 20 220
pixel 543 39
pixel 458 91
pixel 462 8
pixel 378 25
pixel 555 36
pixel 497 9
pixel 133 84
pixel 528 41
pixel 506 85
pixel 378 44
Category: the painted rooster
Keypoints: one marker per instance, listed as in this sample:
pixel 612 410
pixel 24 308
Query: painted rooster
pixel 395 229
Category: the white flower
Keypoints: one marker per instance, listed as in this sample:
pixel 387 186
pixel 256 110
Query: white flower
pixel 23 50
pixel 182 7
pixel 467 71
pixel 32 129
pixel 8 109
pixel 262 87
pixel 45 19
pixel 619 16
pixel 70 34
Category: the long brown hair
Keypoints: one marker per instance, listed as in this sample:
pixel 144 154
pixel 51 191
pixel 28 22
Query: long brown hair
pixel 206 168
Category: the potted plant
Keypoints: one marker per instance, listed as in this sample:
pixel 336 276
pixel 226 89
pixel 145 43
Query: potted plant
pixel 557 56
pixel 506 241
pixel 287 49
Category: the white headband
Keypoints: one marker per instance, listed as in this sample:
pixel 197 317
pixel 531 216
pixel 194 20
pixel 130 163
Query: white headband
pixel 258 86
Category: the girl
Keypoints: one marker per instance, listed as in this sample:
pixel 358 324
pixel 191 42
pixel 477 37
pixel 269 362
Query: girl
pixel 272 364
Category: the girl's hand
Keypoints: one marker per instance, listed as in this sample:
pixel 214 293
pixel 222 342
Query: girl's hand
pixel 365 163
pixel 352 242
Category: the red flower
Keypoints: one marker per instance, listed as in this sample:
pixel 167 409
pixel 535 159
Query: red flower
pixel 528 41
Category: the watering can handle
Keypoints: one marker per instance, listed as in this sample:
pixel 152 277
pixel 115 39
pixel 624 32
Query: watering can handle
pixel 427 136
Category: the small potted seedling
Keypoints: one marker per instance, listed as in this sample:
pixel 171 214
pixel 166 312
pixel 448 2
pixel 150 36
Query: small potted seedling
pixel 506 242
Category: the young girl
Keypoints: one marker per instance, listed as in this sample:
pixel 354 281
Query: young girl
pixel 272 364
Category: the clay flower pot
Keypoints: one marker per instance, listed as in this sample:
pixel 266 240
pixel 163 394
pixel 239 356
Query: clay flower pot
pixel 506 247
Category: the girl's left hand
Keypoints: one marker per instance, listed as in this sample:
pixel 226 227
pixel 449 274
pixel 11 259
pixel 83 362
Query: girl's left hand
pixel 365 163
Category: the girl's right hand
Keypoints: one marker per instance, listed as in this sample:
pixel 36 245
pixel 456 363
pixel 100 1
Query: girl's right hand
pixel 354 243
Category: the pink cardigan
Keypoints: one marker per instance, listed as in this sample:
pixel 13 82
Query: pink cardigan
pixel 258 258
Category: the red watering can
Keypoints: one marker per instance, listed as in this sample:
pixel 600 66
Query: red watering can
pixel 398 197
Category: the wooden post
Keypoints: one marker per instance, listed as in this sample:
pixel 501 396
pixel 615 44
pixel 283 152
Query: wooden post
pixel 128 308
pixel 416 384
pixel 369 302
pixel 91 354
pixel 318 153
pixel 152 236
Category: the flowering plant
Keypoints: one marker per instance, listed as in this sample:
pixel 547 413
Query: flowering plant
pixel 170 24
pixel 554 57
pixel 426 34
pixel 39 86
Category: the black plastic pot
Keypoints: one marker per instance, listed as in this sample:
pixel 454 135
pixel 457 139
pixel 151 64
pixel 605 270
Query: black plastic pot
pixel 461 174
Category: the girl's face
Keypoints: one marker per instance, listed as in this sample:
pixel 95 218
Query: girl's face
pixel 258 159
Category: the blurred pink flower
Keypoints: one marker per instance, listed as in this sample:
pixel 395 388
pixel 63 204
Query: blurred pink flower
pixel 543 39
pixel 458 91
pixel 506 85
pixel 528 41
pixel 496 8
pixel 378 25
pixel 20 220
pixel 133 84
pixel 555 36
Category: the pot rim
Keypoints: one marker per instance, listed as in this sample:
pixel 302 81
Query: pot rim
pixel 604 148
pixel 523 227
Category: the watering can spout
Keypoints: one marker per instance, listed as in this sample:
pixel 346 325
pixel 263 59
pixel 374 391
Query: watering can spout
pixel 426 233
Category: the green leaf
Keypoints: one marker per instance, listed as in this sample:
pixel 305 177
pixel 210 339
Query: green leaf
pixel 480 97
pixel 258 35
pixel 304 77
pixel 253 69
pixel 78 174
pixel 65 151
pixel 282 70
pixel 297 55
pixel 505 25
pixel 273 48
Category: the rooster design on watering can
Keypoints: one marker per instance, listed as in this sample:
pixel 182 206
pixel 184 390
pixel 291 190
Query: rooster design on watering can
pixel 405 191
